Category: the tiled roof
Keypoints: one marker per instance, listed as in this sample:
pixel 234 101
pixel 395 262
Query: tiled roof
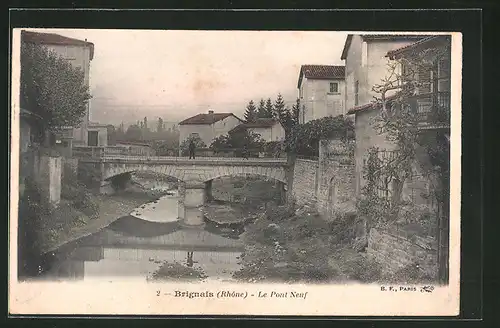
pixel 367 106
pixel 425 41
pixel 55 39
pixel 261 123
pixel 321 72
pixel 207 118
pixel 348 40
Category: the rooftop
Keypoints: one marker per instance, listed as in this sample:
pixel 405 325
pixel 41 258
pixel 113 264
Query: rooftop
pixel 55 39
pixel 430 41
pixel 321 72
pixel 259 123
pixel 371 37
pixel 207 118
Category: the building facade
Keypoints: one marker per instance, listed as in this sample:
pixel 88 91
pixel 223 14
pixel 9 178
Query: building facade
pixel 268 129
pixel 136 148
pixel 366 64
pixel 207 126
pixel 79 53
pixel 321 91
pixel 431 96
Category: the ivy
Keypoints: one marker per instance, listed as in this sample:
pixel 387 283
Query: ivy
pixel 304 138
pixel 415 151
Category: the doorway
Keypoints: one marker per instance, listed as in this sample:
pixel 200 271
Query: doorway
pixel 93 138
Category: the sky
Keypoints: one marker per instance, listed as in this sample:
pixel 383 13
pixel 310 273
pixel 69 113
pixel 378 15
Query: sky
pixel 178 74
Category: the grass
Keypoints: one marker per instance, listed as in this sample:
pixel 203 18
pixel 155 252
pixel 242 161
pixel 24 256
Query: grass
pixel 287 247
pixel 176 270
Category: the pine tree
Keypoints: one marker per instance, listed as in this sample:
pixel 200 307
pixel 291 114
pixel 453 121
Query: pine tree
pixel 261 110
pixel 296 112
pixel 269 109
pixel 159 129
pixel 251 112
pixel 279 107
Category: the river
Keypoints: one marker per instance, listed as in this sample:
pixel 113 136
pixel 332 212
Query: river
pixel 138 245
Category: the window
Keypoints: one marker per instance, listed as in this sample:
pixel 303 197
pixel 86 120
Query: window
pixel 334 87
pixel 356 93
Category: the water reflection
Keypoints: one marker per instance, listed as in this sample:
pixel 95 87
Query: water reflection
pixel 132 247
pixel 163 209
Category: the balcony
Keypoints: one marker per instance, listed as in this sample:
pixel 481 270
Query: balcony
pixel 432 110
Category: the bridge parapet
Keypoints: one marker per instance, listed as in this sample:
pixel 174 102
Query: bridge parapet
pixel 237 161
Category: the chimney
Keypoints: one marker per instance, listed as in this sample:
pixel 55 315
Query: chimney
pixel 210 112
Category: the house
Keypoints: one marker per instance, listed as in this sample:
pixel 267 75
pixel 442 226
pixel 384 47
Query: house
pixel 207 126
pixel 321 91
pixel 136 148
pixel 97 134
pixel 433 83
pixel 366 64
pixel 431 94
pixel 269 129
pixel 79 53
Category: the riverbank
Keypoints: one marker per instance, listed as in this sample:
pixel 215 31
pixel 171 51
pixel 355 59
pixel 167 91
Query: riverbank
pixel 68 224
pixel 289 245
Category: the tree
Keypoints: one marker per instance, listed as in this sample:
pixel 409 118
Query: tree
pixel 413 81
pixel 112 133
pixel 237 139
pixel 284 115
pixel 184 146
pixel 159 129
pixel 120 132
pixel 52 88
pixel 145 122
pixel 134 133
pixel 251 112
pixel 269 109
pixel 296 112
pixel 261 110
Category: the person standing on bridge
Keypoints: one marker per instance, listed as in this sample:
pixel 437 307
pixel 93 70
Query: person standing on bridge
pixel 192 148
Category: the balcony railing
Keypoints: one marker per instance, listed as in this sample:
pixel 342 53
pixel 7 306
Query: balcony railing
pixel 432 108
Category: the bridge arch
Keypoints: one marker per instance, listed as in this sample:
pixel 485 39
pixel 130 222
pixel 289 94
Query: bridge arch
pixel 274 173
pixel 111 171
pixel 195 172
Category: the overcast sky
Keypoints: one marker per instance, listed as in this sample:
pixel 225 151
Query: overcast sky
pixel 177 74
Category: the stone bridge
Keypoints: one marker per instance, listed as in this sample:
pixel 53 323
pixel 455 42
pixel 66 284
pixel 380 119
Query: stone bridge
pixel 195 175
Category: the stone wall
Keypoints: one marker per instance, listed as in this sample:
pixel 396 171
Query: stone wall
pixel 395 249
pixel 69 169
pixel 50 179
pixel 335 191
pixel 328 183
pixel 305 181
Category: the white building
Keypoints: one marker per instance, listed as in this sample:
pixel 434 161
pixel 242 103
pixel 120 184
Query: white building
pixel 321 91
pixel 207 126
pixel 79 53
pixel 366 64
pixel 269 129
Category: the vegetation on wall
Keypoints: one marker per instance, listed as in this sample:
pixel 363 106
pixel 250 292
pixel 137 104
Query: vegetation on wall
pixel 304 138
pixel 421 146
